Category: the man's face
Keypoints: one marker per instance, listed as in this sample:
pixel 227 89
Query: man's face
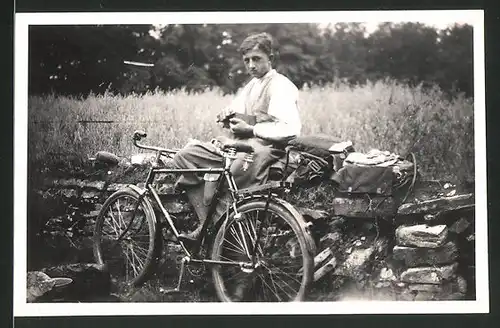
pixel 257 63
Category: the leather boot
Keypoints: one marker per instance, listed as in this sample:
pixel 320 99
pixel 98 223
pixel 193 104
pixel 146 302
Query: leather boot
pixel 195 196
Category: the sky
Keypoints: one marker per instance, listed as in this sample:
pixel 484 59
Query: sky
pixel 439 24
pixel 371 26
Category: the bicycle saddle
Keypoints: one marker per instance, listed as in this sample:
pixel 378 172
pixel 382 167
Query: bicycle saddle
pixel 240 146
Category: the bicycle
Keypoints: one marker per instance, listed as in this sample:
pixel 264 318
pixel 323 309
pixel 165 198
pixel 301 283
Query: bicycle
pixel 261 243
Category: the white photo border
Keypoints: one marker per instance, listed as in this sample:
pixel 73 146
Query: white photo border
pixel 24 309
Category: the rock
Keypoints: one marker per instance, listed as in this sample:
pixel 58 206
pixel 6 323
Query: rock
pixel 323 270
pixel 69 193
pixel 400 284
pixel 167 189
pixel 439 296
pixel 313 214
pixel 112 187
pixel 79 183
pixel 386 274
pixel 90 194
pixel 39 284
pixel 91 215
pixel 429 275
pixel 175 206
pixel 451 193
pixel 422 235
pixel 330 240
pixel 430 288
pixel 383 284
pixel 89 281
pixel 457 285
pixel 415 256
pixel 99 185
pixel 461 285
pixel 430 217
pixel 336 223
pixel 66 183
pixel 380 247
pixel 107 158
pixel 437 205
pixel 322 256
pixel 364 208
pixel 355 262
pixel 406 295
pixel 146 159
pixel 459 226
pixel 424 296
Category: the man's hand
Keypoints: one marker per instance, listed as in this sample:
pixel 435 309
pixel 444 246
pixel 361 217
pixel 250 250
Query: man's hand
pixel 224 114
pixel 240 128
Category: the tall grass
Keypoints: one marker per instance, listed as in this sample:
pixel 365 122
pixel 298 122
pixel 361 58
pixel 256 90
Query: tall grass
pixel 385 115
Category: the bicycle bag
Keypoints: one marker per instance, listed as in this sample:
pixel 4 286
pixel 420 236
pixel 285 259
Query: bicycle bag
pixel 376 172
pixel 321 145
pixel 309 169
pixel 355 179
pixel 319 156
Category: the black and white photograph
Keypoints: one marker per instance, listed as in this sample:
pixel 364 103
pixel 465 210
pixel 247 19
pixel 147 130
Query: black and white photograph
pixel 326 162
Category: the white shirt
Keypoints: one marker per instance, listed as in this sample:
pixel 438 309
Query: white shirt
pixel 283 105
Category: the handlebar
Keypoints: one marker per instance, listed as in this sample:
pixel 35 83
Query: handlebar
pixel 138 135
pixel 226 145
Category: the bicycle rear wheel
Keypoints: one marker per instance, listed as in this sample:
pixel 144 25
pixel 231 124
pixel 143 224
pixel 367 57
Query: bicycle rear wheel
pixel 284 267
pixel 126 242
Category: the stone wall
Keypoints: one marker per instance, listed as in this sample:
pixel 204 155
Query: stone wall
pixel 425 255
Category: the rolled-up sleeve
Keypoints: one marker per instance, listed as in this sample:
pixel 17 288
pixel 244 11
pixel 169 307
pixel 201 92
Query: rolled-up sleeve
pixel 283 106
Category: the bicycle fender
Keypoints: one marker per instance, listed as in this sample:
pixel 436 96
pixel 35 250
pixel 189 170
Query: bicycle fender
pixel 302 222
pixel 289 207
pixel 137 189
pixel 141 191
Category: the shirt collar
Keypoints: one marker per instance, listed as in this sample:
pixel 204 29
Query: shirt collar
pixel 267 75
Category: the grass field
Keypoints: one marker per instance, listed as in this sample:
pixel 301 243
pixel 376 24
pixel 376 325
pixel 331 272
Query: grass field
pixel 383 115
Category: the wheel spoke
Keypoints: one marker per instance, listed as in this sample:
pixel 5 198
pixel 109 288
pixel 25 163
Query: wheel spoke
pixel 120 218
pixel 113 226
pixel 272 289
pixel 129 264
pixel 280 286
pixel 244 240
pixel 280 255
pixel 286 274
pixel 236 236
pixel 236 247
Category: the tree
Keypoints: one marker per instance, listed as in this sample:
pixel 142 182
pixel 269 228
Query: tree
pixel 80 59
pixel 77 59
pixel 406 52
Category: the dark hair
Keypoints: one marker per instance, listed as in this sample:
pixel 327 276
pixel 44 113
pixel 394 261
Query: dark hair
pixel 263 41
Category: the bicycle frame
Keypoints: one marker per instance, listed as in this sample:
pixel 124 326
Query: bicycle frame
pixel 224 175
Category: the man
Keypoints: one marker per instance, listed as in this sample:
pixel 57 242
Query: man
pixel 270 97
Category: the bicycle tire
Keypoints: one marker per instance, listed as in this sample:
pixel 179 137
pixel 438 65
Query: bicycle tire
pixel 225 245
pixel 122 267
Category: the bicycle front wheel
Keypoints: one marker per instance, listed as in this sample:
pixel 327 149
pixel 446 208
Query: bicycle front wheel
pixel 283 266
pixel 125 237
